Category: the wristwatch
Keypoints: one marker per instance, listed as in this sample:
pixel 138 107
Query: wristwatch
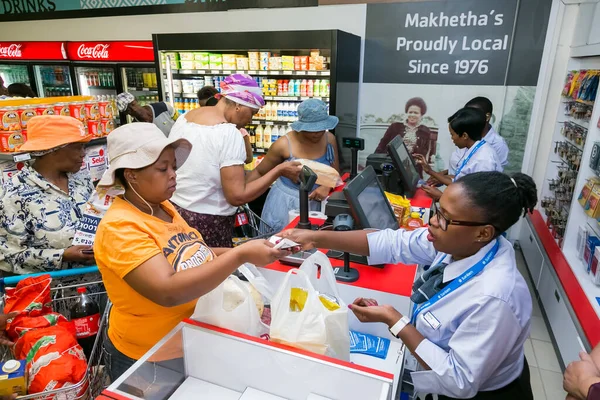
pixel 398 326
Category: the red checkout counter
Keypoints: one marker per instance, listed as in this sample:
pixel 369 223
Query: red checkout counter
pixel 223 364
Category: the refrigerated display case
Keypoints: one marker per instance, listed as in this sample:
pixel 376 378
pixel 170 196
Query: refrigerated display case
pixel 290 66
pixel 53 80
pixel 41 65
pixel 14 73
pixel 105 69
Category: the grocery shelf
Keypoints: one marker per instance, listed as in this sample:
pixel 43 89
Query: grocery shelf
pixel 142 89
pixel 295 98
pixel 265 122
pixel 249 72
pixel 18 157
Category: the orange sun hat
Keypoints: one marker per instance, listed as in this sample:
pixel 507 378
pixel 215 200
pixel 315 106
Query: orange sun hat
pixel 46 132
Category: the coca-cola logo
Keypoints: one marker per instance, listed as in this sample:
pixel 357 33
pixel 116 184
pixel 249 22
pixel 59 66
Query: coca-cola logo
pixel 11 51
pixel 99 51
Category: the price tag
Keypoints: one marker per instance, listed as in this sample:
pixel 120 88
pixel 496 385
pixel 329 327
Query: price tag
pixel 145 89
pixel 269 98
pixel 214 71
pixel 325 73
pixel 300 72
pixel 312 72
pixel 269 123
pixel 263 72
pixel 275 72
pixel 256 122
pixel 251 72
pixel 227 72
pixel 240 72
pixel 186 71
pixel 22 157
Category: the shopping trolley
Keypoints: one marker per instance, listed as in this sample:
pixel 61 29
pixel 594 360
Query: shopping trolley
pixel 64 295
pixel 259 228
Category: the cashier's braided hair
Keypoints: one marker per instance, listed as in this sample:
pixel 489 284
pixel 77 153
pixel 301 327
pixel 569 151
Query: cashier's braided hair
pixel 501 198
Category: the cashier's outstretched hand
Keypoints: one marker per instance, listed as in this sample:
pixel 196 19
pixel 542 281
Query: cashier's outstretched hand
pixel 304 237
pixel 367 310
pixel 260 252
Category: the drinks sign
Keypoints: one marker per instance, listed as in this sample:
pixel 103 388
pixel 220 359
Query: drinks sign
pixel 110 51
pixel 15 10
pixel 33 51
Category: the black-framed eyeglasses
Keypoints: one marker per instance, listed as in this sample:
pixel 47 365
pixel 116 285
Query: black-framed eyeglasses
pixel 443 221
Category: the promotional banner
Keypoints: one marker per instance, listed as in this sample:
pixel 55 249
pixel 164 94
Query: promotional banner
pixel 15 10
pixel 425 60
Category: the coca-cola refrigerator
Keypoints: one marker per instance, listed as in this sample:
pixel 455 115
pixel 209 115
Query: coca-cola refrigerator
pixel 41 65
pixel 111 67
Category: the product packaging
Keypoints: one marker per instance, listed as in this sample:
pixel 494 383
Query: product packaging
pixel 400 205
pixel 582 237
pixel 95 209
pixel 595 156
pixel 586 191
pixel 592 207
pixel 590 248
pixel 11 141
pixel 186 56
pixel 594 270
pixel 362 343
pixel 13 378
pixel 188 64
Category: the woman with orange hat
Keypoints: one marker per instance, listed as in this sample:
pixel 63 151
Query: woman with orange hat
pixel 40 206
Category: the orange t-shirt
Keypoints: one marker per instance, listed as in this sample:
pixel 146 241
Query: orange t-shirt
pixel 125 239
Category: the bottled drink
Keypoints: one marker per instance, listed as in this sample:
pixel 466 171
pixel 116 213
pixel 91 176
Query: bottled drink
pixel 279 112
pixel 309 88
pixel 259 137
pixel 274 134
pixel 242 224
pixel 267 137
pixel 303 88
pixel 317 89
pixel 252 135
pixel 85 315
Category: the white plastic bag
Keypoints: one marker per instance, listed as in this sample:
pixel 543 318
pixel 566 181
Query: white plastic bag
pixel 232 306
pixel 315 328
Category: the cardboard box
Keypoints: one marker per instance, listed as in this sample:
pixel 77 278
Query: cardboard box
pixel 13 378
pixel 586 191
pixel 590 248
pixel 592 207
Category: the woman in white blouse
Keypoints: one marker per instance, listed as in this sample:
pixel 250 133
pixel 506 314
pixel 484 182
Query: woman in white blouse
pixel 472 306
pixel 212 183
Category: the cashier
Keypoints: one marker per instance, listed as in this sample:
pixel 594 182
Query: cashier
pixel 472 306
pixel 466 127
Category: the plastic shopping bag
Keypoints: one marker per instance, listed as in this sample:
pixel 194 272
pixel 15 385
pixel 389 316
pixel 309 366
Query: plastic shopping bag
pixel 308 313
pixel 236 305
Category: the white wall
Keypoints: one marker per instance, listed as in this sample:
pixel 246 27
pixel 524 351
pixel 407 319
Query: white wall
pixel 349 18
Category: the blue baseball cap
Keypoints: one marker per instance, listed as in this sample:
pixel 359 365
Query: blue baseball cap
pixel 313 117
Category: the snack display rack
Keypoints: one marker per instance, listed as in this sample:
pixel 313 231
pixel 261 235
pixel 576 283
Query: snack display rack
pixel 555 239
pixel 290 66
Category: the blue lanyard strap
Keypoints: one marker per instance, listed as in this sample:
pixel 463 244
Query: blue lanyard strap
pixel 458 282
pixel 466 160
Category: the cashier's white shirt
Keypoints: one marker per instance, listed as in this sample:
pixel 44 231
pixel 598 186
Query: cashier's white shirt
pixel 483 324
pixel 492 138
pixel 484 159
pixel 199 187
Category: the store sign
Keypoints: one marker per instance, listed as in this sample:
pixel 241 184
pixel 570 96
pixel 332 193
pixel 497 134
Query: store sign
pixel 454 42
pixel 32 51
pixel 110 51
pixel 12 10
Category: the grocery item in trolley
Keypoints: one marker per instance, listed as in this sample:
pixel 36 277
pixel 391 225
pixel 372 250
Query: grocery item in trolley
pixel 95 209
pixel 9 119
pixel 14 378
pixel 44 338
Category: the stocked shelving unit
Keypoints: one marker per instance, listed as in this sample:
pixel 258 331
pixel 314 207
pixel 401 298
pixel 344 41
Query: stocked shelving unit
pixel 340 52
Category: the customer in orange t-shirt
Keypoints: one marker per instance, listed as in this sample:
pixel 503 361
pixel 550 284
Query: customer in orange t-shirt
pixel 147 253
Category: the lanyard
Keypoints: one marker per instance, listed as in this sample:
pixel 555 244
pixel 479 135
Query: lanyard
pixel 458 282
pixel 466 160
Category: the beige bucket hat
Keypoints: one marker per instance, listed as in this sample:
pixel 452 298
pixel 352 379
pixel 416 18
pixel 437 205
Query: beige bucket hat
pixel 138 145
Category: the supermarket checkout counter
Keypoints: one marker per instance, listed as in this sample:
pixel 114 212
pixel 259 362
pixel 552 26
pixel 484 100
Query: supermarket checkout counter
pixel 230 365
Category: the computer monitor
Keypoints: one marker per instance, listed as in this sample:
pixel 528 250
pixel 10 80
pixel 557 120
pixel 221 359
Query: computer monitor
pixel 368 204
pixel 407 169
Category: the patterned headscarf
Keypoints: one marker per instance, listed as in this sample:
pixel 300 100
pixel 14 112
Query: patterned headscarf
pixel 242 89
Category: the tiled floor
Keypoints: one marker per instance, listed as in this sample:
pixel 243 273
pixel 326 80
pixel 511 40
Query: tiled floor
pixel 546 375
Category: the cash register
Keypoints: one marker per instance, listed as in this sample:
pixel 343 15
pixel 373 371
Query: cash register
pixel 396 170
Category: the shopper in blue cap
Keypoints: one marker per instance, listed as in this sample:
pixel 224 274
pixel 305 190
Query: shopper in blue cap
pixel 309 139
